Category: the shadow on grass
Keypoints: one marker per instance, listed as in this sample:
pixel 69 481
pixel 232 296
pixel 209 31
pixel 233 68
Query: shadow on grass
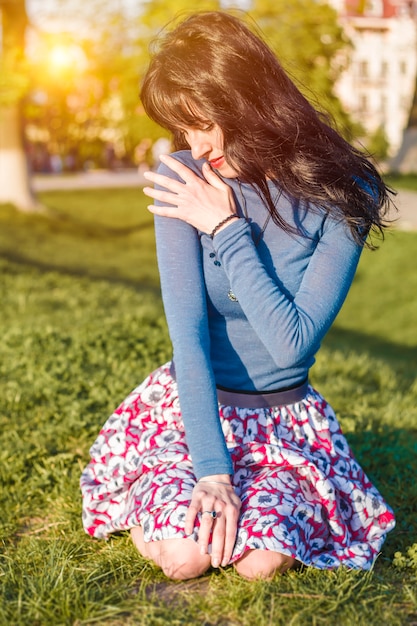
pixel 400 357
pixel 54 220
pixel 144 285
pixel 58 220
pixel 388 457
pixel 388 454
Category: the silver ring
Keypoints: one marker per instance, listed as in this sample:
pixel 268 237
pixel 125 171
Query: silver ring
pixel 212 514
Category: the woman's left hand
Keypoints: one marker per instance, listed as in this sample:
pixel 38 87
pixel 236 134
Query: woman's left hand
pixel 222 529
pixel 201 203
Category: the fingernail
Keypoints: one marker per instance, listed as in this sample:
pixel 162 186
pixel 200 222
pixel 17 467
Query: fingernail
pixel 215 562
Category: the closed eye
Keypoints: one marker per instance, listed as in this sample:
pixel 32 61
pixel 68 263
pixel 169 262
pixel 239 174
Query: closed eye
pixel 206 127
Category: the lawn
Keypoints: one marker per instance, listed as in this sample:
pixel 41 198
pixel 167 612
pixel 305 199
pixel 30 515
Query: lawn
pixel 82 324
pixel 402 181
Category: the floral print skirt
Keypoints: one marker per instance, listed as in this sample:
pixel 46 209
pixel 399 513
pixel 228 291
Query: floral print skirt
pixel 303 493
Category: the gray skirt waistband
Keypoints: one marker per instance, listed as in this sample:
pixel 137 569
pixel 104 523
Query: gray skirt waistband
pixel 262 400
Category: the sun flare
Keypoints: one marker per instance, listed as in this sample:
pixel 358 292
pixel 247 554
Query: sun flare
pixel 60 57
pixel 64 57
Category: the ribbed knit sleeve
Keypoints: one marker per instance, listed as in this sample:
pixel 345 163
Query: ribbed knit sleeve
pixel 183 291
pixel 291 328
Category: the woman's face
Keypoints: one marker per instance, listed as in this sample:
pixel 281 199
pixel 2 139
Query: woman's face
pixel 207 143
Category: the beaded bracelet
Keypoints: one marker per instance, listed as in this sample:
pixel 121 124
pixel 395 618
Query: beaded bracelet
pixel 215 482
pixel 222 223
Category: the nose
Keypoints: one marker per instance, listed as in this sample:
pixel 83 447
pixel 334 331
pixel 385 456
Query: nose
pixel 199 144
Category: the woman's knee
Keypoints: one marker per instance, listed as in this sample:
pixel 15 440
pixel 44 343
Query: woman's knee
pixel 263 564
pixel 179 559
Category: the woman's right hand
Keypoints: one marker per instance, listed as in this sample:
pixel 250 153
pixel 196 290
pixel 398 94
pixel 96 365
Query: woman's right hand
pixel 201 203
pixel 221 498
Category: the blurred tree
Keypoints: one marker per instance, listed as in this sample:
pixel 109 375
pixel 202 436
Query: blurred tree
pixel 88 113
pixel 378 144
pixel 405 161
pixel 85 108
pixel 156 15
pixel 14 178
pixel 304 34
pixel 65 108
pixel 310 43
pixel 100 109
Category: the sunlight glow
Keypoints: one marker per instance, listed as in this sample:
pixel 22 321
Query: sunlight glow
pixel 59 57
pixel 66 57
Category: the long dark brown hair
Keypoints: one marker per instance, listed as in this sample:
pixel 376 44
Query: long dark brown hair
pixel 212 69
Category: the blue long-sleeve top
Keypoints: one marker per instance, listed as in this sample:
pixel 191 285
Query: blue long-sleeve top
pixel 289 289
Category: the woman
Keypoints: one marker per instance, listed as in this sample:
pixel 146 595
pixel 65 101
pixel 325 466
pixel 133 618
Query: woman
pixel 227 454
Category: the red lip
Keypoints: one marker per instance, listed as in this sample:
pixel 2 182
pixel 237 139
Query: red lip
pixel 216 163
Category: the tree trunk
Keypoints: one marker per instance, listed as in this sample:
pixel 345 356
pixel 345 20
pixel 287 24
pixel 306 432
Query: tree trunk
pixel 14 175
pixel 405 161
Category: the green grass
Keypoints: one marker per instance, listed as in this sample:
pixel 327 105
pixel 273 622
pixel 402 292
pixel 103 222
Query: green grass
pixel 82 324
pixel 99 234
pixel 402 181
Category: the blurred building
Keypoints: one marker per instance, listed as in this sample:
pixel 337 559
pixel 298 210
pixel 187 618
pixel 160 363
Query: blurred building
pixel 378 85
